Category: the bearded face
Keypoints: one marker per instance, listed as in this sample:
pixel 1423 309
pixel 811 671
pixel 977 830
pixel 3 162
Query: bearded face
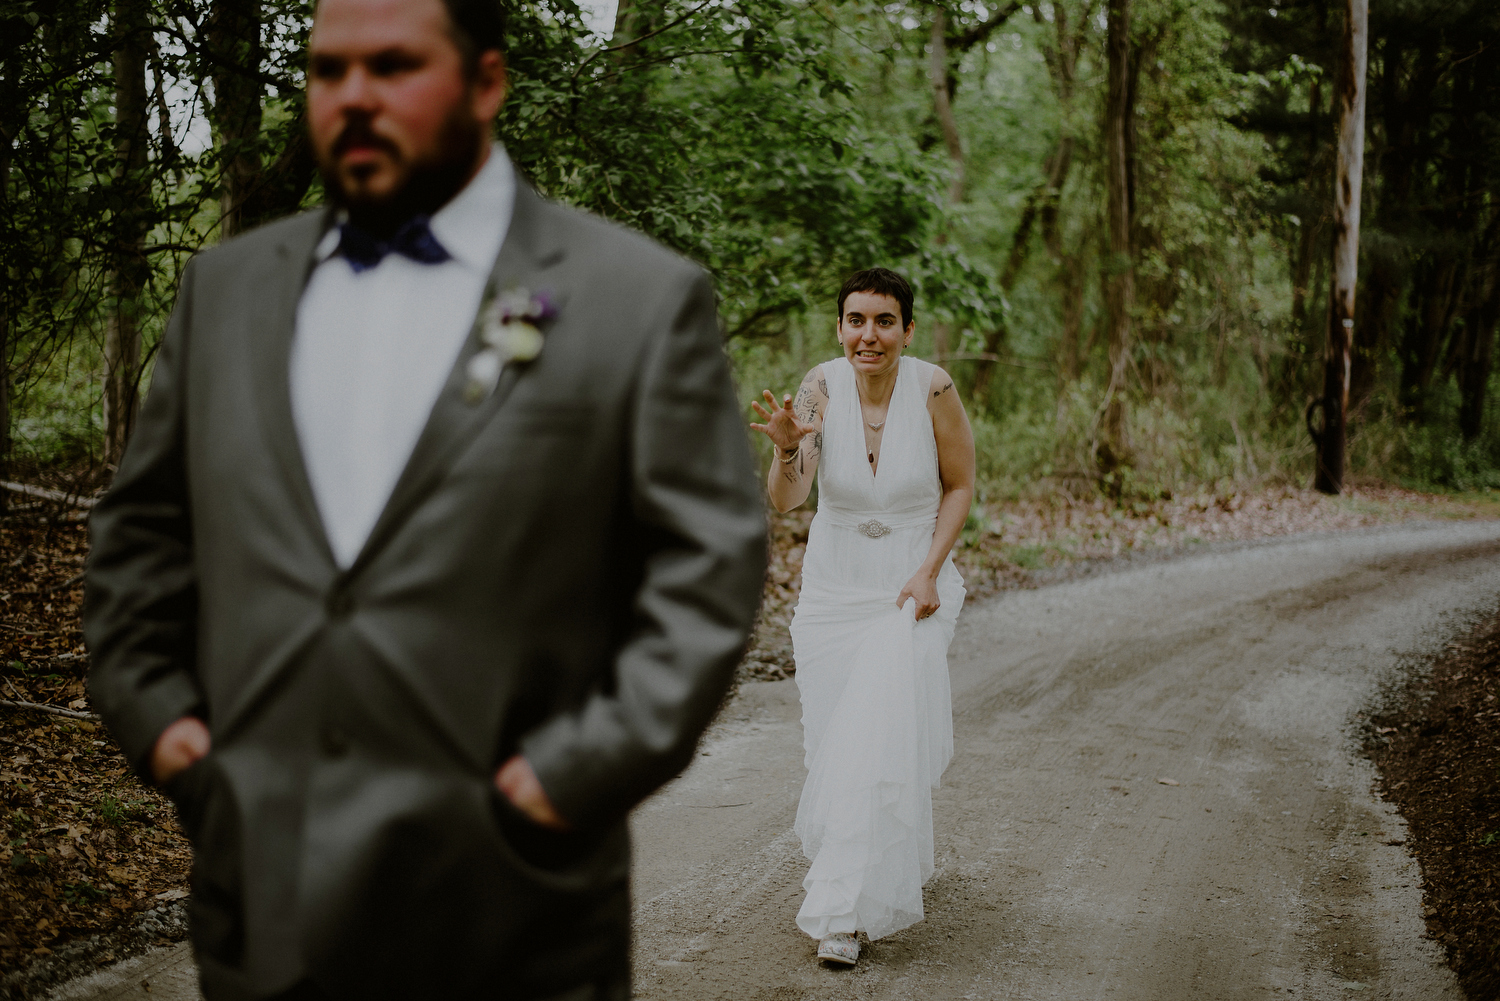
pixel 398 121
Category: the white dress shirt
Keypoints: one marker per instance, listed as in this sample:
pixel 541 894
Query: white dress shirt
pixel 373 350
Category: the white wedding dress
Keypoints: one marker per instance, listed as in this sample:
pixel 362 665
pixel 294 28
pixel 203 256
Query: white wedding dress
pixel 877 716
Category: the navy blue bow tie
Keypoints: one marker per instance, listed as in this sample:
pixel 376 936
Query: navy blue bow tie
pixel 414 239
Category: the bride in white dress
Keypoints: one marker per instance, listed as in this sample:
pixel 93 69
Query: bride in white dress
pixel 890 444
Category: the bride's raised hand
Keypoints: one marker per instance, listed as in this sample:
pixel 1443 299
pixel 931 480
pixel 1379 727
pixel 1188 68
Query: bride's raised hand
pixel 781 424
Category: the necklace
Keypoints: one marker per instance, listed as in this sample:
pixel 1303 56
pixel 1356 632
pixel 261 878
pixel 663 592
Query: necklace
pixel 875 427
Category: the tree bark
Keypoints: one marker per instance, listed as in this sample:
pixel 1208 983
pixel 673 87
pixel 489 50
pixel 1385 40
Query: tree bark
pixel 5 156
pixel 1307 232
pixel 234 29
pixel 1041 204
pixel 937 70
pixel 122 329
pixel 1347 184
pixel 630 23
pixel 1409 81
pixel 1119 270
pixel 1474 372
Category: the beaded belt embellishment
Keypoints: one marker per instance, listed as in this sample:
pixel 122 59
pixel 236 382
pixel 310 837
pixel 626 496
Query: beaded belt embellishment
pixel 873 529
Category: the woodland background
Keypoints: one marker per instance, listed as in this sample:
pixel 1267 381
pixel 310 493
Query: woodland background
pixel 1127 341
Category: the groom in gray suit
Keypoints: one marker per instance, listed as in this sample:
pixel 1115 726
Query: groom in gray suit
pixel 431 556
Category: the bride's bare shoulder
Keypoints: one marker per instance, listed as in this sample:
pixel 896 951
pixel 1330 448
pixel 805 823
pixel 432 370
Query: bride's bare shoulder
pixel 940 383
pixel 812 395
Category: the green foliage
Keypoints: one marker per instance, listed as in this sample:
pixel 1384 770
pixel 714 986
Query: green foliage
pixel 1435 455
pixel 728 137
pixel 784 145
pixel 83 893
pixel 115 811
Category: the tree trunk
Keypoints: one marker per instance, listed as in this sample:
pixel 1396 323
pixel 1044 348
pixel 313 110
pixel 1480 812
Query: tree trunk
pixel 234 37
pixel 630 23
pixel 1302 266
pixel 1041 204
pixel 1440 282
pixel 1474 372
pixel 937 69
pixel 1409 80
pixel 122 329
pixel 1119 271
pixel 1347 183
pixel 5 155
pixel 1476 359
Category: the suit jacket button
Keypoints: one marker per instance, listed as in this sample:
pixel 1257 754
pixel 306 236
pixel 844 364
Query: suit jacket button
pixel 335 742
pixel 340 604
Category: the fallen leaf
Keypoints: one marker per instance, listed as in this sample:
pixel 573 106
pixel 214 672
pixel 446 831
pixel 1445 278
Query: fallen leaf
pixel 1385 729
pixel 174 894
pixel 1169 782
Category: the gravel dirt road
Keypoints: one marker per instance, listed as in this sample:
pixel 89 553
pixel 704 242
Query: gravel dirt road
pixel 1156 795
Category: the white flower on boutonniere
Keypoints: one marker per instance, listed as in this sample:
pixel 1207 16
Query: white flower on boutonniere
pixel 510 332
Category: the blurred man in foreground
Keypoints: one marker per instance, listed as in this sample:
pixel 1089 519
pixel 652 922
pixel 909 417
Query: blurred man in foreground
pixel 432 553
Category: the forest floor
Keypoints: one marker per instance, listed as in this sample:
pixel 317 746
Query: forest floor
pixel 93 866
pixel 1437 746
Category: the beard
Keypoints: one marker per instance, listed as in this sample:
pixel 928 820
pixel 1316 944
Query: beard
pixel 425 183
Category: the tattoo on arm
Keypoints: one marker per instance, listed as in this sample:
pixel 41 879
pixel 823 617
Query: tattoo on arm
pixel 823 386
pixel 940 392
pixel 803 406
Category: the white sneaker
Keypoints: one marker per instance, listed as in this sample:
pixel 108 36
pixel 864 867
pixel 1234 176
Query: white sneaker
pixel 840 947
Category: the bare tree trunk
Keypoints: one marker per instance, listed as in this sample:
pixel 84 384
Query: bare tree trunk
pixel 1070 365
pixel 1307 235
pixel 1476 362
pixel 1041 204
pixel 122 331
pixel 1347 184
pixel 630 23
pixel 1119 271
pixel 1037 204
pixel 5 155
pixel 1474 373
pixel 234 37
pixel 937 69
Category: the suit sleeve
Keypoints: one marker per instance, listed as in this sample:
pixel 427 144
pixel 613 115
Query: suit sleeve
pixel 695 494
pixel 141 597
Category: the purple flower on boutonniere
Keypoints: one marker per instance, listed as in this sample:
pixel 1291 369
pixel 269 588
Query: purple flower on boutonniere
pixel 510 332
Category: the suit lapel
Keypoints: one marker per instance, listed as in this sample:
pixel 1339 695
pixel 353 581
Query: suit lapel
pixel 271 362
pixel 526 252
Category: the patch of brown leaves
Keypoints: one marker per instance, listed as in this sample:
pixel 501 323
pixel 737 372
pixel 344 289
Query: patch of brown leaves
pixel 86 846
pixel 1438 752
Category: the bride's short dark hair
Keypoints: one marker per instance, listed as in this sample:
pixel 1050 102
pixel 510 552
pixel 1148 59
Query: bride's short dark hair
pixel 880 281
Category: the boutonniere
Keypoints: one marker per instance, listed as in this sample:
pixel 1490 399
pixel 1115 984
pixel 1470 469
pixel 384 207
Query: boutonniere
pixel 510 331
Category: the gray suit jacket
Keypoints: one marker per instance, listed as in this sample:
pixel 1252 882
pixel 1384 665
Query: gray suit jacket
pixel 567 569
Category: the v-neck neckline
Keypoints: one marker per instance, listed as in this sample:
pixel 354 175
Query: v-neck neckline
pixel 859 412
